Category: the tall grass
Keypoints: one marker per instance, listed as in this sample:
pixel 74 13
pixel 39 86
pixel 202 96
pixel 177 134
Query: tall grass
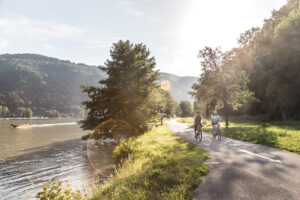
pixel 156 165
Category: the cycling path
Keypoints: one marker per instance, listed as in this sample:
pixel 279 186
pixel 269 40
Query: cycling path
pixel 242 170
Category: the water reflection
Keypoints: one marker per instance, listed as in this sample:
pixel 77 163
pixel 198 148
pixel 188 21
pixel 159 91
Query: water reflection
pixel 31 157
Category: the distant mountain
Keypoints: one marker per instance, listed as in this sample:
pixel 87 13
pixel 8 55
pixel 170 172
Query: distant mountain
pixel 42 83
pixel 180 86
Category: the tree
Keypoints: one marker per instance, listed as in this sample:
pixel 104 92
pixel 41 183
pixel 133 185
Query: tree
pixel 129 92
pixel 186 108
pixel 169 104
pixel 4 112
pixel 222 82
pixel 52 113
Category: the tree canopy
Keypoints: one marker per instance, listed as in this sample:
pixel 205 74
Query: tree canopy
pixel 222 81
pixel 266 65
pixel 271 57
pixel 186 108
pixel 129 93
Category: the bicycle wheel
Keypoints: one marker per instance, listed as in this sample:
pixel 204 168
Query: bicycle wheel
pixel 214 133
pixel 219 134
pixel 200 136
pixel 196 135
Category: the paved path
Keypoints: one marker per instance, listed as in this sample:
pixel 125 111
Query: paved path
pixel 242 170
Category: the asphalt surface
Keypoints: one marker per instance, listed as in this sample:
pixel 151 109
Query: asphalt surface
pixel 242 170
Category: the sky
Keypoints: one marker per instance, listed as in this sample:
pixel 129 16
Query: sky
pixel 83 31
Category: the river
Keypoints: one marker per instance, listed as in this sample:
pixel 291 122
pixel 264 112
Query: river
pixel 47 150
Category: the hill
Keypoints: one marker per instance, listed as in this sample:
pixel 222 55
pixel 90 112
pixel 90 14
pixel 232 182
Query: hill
pixel 180 86
pixel 36 83
pixel 42 83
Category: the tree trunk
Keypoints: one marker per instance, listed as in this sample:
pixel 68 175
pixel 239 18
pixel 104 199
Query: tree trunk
pixel 207 111
pixel 226 113
pixel 225 108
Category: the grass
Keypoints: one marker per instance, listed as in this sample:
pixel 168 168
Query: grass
pixel 186 120
pixel 283 135
pixel 156 165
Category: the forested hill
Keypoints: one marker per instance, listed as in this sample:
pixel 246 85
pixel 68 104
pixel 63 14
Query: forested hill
pixel 42 84
pixel 36 83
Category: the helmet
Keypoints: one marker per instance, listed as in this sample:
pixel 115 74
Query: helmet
pixel 215 112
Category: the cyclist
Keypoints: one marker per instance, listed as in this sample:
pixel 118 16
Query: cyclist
pixel 215 120
pixel 197 121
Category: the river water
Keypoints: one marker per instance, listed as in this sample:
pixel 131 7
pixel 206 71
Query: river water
pixel 47 150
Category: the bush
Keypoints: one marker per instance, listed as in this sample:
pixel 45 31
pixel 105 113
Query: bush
pixel 56 191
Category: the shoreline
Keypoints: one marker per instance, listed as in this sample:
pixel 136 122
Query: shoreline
pixel 39 118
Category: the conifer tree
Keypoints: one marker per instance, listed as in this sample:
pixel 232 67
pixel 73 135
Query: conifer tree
pixel 126 93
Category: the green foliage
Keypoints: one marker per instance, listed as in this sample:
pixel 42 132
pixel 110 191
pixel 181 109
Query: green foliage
pixel 4 112
pixel 189 120
pixel 222 81
pixel 52 113
pixel 24 112
pixel 129 93
pixel 270 56
pixel 42 83
pixel 56 191
pixel 156 165
pixel 186 108
pixel 169 105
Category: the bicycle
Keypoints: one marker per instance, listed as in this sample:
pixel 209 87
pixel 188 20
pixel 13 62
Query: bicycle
pixel 198 133
pixel 217 131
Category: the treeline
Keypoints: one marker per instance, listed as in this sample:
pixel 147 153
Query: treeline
pixel 262 76
pixel 27 113
pixel 41 86
pixel 271 57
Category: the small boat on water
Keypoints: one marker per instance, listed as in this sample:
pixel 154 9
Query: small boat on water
pixel 14 125
pixel 20 125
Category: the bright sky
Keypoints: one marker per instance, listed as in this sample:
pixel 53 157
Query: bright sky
pixel 83 30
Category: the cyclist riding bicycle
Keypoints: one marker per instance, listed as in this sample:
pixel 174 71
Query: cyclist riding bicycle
pixel 197 121
pixel 215 118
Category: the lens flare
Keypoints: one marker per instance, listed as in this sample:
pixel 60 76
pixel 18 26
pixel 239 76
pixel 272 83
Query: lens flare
pixel 165 85
pixel 100 145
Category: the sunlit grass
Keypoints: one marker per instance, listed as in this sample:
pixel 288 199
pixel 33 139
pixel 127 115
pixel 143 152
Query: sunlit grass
pixel 156 165
pixel 284 135
pixel 185 120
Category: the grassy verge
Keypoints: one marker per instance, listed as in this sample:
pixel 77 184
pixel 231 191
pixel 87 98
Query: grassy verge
pixel 284 135
pixel 186 120
pixel 156 165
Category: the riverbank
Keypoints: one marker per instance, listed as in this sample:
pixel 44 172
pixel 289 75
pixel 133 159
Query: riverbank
pixel 283 135
pixel 40 118
pixel 156 165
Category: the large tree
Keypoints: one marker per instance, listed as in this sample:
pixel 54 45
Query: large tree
pixel 222 81
pixel 129 92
